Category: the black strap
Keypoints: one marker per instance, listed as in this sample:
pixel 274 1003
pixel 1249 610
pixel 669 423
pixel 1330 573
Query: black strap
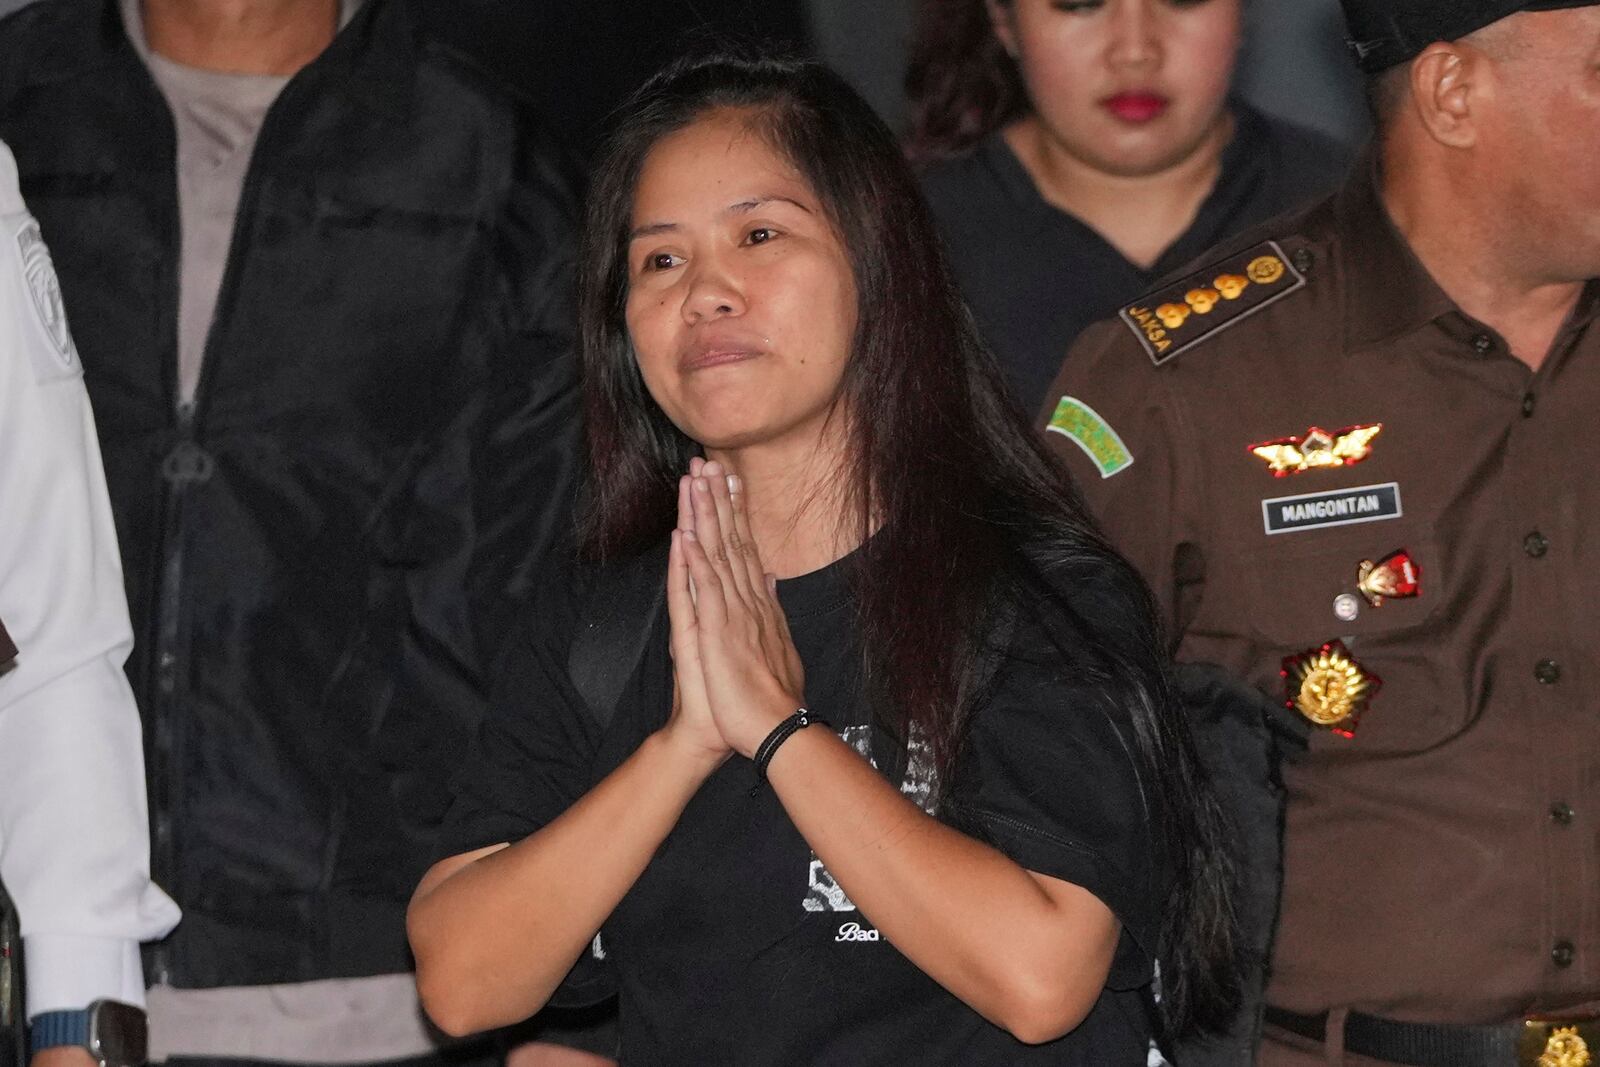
pixel 619 616
pixel 774 741
pixel 623 606
pixel 1414 1044
pixel 13 1023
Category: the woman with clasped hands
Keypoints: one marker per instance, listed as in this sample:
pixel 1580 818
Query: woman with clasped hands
pixel 896 778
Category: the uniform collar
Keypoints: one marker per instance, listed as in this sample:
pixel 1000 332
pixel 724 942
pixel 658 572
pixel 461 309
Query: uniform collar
pixel 1388 292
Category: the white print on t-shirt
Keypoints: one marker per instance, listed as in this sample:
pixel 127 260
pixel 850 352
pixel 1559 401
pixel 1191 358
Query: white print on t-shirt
pixel 822 892
pixel 855 932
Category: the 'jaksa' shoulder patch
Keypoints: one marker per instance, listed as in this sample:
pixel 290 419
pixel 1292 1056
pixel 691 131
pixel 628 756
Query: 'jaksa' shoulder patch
pixel 1174 319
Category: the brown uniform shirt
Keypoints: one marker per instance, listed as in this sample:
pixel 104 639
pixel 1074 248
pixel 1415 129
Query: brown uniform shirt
pixel 8 648
pixel 1441 863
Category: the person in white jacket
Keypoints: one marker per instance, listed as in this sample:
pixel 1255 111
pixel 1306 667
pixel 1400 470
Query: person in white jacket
pixel 74 844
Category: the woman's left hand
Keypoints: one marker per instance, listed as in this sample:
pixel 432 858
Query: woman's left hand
pixel 753 676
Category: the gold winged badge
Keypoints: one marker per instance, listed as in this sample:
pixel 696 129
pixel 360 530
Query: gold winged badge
pixel 1317 450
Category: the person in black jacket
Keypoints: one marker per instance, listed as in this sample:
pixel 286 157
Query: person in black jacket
pixel 319 274
pixel 1076 152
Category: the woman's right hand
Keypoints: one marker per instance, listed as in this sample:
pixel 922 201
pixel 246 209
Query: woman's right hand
pixel 690 727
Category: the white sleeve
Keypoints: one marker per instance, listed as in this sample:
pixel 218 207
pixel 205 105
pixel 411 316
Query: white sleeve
pixel 74 838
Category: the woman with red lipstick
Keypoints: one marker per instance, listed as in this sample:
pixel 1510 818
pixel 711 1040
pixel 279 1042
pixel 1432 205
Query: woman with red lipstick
pixel 849 741
pixel 1076 151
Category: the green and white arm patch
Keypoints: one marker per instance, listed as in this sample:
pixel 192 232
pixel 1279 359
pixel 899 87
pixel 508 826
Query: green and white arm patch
pixel 1083 425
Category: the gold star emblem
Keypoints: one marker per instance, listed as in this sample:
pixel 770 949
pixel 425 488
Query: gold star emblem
pixel 1329 687
pixel 1566 1048
pixel 1264 270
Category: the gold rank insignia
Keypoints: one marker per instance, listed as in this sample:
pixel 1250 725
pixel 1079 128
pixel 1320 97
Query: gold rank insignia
pixel 1317 450
pixel 1178 317
pixel 1329 687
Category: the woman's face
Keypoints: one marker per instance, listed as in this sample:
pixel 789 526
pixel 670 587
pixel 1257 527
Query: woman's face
pixel 1130 87
pixel 741 299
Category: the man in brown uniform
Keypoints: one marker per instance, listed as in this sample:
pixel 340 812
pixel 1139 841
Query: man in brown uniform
pixel 1349 456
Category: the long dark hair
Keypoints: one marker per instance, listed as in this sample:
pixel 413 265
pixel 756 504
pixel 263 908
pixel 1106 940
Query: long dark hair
pixel 971 510
pixel 961 82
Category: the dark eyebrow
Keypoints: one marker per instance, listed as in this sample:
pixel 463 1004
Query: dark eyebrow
pixel 652 230
pixel 743 207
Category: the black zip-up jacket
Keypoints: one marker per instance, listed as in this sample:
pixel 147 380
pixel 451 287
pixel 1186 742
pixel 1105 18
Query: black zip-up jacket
pixel 382 445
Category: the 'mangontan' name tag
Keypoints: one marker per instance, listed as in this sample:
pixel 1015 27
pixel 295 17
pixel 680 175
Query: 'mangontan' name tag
pixel 1338 507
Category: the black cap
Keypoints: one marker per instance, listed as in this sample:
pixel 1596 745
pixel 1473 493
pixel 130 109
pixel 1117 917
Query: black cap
pixel 1385 33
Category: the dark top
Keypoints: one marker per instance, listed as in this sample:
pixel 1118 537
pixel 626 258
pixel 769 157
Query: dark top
pixel 1036 276
pixel 1441 859
pixel 385 438
pixel 736 946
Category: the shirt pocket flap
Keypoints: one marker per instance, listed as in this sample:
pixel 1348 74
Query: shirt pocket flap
pixel 1308 594
pixel 1305 596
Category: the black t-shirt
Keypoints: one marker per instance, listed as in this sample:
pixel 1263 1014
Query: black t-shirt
pixel 1035 276
pixel 736 946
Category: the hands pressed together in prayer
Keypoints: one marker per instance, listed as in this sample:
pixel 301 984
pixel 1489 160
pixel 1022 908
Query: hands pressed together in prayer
pixel 737 674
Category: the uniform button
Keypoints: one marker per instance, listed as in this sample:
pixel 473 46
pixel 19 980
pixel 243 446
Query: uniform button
pixel 1483 343
pixel 168 661
pixel 1536 544
pixel 1563 954
pixel 1561 813
pixel 1527 405
pixel 1547 671
pixel 1302 259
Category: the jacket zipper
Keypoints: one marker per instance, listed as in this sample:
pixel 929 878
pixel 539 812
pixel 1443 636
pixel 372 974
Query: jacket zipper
pixel 186 465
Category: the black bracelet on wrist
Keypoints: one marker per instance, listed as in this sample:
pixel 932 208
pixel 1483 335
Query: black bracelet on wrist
pixel 781 733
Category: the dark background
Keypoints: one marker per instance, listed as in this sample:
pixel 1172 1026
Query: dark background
pixel 577 59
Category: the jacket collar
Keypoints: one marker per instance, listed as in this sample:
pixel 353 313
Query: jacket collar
pixel 372 60
pixel 72 45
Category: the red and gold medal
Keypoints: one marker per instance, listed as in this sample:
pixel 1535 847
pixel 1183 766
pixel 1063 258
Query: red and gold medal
pixel 1329 687
pixel 1394 577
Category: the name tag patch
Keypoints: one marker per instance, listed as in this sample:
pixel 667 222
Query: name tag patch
pixel 1340 507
